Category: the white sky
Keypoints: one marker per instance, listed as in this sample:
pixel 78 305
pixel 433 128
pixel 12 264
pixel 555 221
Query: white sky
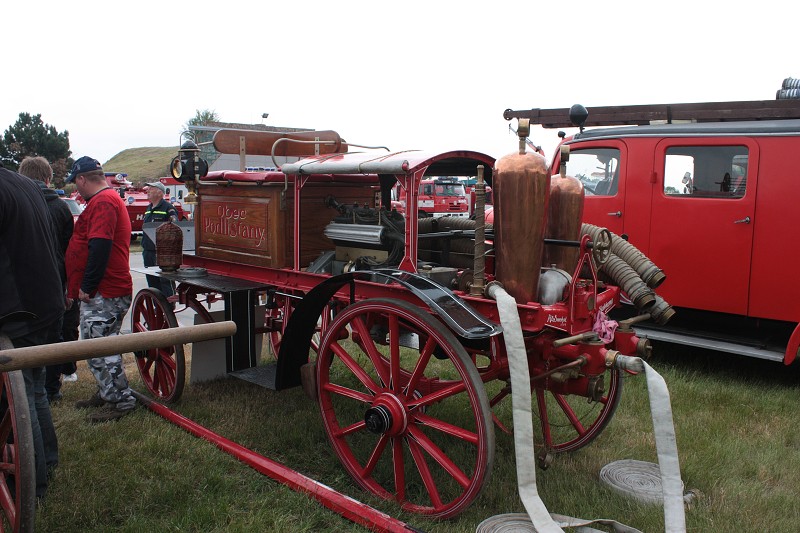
pixel 431 75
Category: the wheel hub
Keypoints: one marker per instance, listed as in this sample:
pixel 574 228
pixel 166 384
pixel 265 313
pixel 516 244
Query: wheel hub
pixel 378 419
pixel 387 415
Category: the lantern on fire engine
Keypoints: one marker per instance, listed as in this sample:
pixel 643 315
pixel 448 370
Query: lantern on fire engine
pixel 187 167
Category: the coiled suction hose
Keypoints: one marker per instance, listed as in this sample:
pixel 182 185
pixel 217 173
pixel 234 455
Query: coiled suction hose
pixel 647 270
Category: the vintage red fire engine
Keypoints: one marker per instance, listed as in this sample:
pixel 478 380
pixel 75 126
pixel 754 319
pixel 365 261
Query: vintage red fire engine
pixel 709 191
pixel 389 321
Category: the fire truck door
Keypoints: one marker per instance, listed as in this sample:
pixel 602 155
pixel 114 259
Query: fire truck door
pixel 702 221
pixel 601 169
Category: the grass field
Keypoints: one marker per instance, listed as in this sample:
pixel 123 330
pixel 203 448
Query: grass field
pixel 735 422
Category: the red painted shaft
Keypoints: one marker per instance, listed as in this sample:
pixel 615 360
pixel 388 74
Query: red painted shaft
pixel 347 507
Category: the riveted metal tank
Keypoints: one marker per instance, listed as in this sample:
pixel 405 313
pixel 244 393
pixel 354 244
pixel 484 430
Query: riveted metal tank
pixel 564 215
pixel 521 186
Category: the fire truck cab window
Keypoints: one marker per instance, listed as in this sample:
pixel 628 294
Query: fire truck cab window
pixel 706 171
pixel 426 189
pixel 597 169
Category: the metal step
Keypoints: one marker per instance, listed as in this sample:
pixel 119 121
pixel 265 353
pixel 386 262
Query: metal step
pixel 710 343
pixel 263 376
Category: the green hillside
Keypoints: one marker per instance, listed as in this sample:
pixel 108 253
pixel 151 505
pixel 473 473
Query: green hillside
pixel 142 164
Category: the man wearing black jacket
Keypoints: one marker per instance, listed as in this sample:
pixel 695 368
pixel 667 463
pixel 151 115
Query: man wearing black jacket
pixel 39 170
pixel 31 292
pixel 159 210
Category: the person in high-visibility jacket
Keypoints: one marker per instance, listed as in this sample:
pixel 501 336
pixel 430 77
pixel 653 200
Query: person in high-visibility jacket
pixel 159 210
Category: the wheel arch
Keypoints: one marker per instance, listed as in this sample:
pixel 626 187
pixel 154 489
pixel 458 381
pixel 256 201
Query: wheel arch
pixel 793 348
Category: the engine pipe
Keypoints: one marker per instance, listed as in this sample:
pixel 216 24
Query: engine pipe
pixel 480 245
pixel 345 506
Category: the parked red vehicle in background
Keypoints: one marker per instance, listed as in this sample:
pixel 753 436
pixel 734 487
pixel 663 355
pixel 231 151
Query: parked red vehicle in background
pixel 135 200
pixel 438 197
pixel 709 193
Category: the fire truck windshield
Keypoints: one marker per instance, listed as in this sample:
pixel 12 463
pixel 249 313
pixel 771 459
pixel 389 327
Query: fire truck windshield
pixel 450 189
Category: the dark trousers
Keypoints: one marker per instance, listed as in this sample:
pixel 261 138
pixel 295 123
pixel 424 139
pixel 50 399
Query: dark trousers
pixel 156 282
pixel 69 332
pixel 45 443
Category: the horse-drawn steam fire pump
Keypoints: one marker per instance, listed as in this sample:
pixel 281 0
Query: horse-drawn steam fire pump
pixel 386 319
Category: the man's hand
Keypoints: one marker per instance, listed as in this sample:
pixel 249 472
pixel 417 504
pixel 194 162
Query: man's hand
pixel 82 296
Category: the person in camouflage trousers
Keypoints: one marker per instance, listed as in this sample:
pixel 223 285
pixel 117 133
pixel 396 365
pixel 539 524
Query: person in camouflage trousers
pixel 102 317
pixel 99 276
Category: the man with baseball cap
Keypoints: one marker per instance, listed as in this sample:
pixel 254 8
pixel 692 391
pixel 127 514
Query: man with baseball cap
pixel 98 274
pixel 159 210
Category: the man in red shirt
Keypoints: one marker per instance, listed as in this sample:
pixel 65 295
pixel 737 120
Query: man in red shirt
pixel 98 274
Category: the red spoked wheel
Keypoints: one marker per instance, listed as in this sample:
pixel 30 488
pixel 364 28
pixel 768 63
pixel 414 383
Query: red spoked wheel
pixel 570 422
pixel 277 318
pixel 163 370
pixel 17 467
pixel 404 407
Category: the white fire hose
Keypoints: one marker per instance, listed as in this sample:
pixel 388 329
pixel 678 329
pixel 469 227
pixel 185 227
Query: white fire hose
pixel 538 516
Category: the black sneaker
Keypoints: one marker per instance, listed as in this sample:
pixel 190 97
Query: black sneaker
pixel 94 401
pixel 107 415
pixel 54 398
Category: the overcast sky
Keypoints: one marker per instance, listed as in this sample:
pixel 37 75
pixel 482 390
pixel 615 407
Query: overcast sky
pixel 429 75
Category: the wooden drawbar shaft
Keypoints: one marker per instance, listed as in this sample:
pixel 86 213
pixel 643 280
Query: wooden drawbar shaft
pixel 65 352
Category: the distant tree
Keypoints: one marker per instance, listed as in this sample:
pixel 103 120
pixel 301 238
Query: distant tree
pixel 29 136
pixel 201 118
pixel 671 190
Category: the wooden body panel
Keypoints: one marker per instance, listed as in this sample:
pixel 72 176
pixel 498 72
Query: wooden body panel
pixel 250 224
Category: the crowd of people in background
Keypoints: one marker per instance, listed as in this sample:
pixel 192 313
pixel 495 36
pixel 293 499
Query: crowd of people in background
pixel 61 279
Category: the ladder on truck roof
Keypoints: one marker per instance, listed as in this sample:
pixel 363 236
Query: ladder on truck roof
pixel 639 115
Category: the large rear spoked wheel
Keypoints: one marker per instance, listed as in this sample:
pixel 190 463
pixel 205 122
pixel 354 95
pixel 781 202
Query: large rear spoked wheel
pixel 163 370
pixel 404 407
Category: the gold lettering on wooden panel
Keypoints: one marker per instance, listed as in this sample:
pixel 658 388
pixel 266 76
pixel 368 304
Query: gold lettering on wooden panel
pixel 239 223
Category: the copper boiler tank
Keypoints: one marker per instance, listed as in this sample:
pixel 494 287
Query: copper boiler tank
pixel 521 187
pixel 564 216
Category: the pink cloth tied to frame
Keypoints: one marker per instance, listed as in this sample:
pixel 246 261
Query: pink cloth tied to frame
pixel 604 327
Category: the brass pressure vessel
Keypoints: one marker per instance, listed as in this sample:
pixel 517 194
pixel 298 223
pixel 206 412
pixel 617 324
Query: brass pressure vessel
pixel 564 215
pixel 521 187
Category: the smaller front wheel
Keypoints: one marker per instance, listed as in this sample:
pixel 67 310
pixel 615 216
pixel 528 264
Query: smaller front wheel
pixel 163 370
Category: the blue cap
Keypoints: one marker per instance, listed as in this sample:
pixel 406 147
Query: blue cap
pixel 82 165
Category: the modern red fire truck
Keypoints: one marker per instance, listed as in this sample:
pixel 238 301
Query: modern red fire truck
pixel 710 193
pixel 438 197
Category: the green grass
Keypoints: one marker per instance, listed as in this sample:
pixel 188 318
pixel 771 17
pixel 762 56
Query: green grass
pixel 735 422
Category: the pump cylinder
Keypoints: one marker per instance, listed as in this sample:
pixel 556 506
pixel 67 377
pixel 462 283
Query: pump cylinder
pixel 564 215
pixel 521 187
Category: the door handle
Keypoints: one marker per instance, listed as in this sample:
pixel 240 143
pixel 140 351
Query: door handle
pixel 745 220
pixel 615 214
